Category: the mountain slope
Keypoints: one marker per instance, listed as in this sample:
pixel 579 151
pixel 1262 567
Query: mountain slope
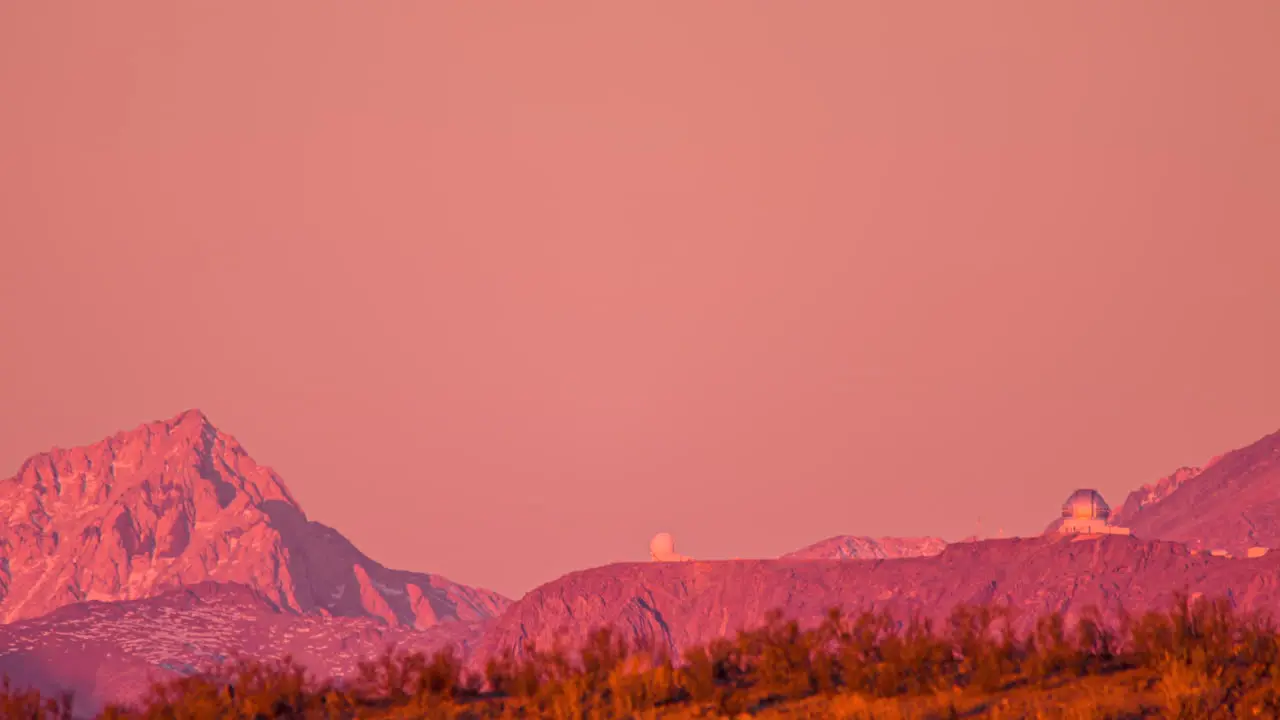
pixel 110 652
pixel 1233 504
pixel 1152 493
pixel 176 503
pixel 676 605
pixel 855 547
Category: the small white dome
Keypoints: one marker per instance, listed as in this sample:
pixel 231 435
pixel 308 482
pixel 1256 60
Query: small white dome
pixel 662 545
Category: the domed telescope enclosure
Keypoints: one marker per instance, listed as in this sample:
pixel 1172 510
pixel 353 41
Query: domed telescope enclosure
pixel 662 548
pixel 1086 505
pixel 1086 513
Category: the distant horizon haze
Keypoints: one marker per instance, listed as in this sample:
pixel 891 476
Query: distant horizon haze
pixel 503 291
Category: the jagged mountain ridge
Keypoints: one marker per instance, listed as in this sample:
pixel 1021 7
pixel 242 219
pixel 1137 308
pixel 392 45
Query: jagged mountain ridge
pixel 1152 493
pixel 1233 504
pixel 176 503
pixel 858 547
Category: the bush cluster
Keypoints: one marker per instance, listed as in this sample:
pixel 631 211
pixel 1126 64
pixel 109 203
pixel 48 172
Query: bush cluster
pixel 1202 659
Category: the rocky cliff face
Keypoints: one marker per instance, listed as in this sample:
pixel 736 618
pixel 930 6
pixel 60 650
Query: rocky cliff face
pixel 853 547
pixel 1233 504
pixel 677 605
pixel 176 503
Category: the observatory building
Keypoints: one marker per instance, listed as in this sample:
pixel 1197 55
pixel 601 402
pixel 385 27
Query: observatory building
pixel 1086 513
pixel 662 548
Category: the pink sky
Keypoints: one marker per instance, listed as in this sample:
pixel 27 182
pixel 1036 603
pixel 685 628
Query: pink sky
pixel 503 289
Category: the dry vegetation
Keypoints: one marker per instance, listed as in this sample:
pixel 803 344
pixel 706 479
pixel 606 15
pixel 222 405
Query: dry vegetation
pixel 1197 660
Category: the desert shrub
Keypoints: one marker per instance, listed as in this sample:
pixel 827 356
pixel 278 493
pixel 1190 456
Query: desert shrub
pixel 390 676
pixel 24 703
pixel 699 675
pixel 1191 627
pixel 1096 643
pixel 780 657
pixel 878 656
pixel 245 688
pixel 642 682
pixel 1049 653
pixel 984 654
pixel 710 669
pixel 508 676
pixel 857 649
pixel 442 675
pixel 1188 689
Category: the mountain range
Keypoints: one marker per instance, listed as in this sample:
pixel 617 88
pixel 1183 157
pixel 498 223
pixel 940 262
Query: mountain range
pixel 166 549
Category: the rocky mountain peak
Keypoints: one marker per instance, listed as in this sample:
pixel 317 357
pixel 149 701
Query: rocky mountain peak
pixel 856 547
pixel 177 502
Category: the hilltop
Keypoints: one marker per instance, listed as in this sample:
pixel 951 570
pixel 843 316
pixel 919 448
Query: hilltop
pixel 678 605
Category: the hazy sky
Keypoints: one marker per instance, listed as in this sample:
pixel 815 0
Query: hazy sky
pixel 502 289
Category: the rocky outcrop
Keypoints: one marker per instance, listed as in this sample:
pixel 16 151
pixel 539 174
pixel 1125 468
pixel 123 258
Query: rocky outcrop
pixel 854 547
pixel 176 503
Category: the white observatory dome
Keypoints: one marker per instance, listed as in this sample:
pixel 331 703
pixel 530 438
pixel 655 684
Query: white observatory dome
pixel 1086 504
pixel 662 545
pixel 662 548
